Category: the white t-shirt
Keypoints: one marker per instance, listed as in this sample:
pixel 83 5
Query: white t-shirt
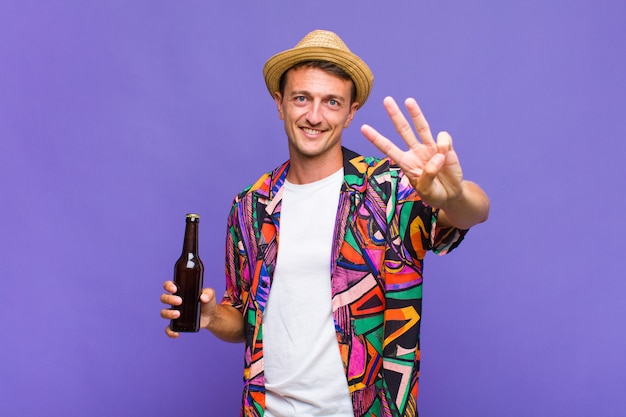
pixel 304 375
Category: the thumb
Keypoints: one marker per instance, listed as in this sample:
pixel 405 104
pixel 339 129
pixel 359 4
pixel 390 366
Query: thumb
pixel 425 181
pixel 207 295
pixel 434 165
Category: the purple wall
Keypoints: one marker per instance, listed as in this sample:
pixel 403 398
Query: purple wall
pixel 118 117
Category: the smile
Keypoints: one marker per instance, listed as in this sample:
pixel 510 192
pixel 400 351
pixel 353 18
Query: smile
pixel 311 131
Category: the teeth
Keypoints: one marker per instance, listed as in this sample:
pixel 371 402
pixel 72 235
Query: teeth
pixel 311 131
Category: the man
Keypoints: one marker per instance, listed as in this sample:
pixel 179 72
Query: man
pixel 324 254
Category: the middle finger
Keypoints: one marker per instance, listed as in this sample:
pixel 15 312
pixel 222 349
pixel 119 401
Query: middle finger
pixel 170 299
pixel 400 122
pixel 420 122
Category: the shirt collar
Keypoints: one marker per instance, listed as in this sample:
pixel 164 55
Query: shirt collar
pixel 354 171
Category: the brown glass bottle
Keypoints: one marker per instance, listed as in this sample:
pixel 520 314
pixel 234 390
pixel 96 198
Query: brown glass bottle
pixel 189 277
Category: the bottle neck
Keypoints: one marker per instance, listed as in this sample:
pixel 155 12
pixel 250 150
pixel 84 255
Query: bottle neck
pixel 190 243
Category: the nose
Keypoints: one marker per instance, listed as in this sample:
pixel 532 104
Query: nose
pixel 314 115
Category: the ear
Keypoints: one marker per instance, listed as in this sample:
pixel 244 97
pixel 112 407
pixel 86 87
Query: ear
pixel 351 114
pixel 278 99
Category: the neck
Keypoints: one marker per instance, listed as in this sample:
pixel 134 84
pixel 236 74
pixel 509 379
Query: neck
pixel 305 170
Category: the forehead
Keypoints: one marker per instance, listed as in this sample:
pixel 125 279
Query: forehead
pixel 316 81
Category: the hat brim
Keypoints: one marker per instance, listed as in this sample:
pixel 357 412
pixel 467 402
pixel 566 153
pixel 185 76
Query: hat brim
pixel 354 66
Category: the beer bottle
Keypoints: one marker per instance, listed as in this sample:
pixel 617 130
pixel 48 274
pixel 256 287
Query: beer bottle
pixel 188 277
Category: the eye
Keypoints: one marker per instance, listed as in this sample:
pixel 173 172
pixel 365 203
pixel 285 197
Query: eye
pixel 334 104
pixel 300 99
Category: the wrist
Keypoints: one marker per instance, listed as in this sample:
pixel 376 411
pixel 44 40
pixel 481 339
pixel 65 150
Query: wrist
pixel 455 199
pixel 469 207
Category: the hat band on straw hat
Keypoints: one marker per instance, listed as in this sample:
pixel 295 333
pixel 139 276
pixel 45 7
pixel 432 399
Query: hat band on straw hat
pixel 321 45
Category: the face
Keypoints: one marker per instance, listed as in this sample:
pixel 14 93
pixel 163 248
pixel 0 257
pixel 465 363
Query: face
pixel 315 108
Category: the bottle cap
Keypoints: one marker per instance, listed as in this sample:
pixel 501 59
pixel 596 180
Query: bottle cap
pixel 193 216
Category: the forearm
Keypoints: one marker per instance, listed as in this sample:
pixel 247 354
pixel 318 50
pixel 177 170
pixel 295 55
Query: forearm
pixel 226 323
pixel 468 209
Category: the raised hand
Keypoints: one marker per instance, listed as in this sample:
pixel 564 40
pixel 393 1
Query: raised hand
pixel 433 168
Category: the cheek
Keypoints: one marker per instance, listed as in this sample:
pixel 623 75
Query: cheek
pixel 350 116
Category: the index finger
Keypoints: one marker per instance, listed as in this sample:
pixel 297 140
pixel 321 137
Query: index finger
pixel 382 143
pixel 170 287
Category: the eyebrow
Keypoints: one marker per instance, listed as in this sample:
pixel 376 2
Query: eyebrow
pixel 308 94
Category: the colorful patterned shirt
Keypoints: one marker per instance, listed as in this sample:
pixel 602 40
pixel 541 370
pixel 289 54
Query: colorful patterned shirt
pixel 382 233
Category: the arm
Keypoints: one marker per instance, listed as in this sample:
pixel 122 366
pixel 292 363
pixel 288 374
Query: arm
pixel 470 208
pixel 432 167
pixel 223 320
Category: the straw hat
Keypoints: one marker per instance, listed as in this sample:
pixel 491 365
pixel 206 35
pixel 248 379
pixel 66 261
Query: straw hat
pixel 321 45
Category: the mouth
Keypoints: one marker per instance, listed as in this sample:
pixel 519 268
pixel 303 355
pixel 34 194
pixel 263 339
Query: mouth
pixel 311 132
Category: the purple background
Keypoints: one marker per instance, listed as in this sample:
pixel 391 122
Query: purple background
pixel 118 117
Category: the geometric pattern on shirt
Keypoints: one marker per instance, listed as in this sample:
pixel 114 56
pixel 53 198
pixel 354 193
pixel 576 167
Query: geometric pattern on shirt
pixel 382 233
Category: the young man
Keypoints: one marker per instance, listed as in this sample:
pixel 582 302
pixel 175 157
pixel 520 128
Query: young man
pixel 324 254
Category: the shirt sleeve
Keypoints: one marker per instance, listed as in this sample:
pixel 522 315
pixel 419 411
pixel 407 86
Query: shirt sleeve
pixel 233 262
pixel 446 239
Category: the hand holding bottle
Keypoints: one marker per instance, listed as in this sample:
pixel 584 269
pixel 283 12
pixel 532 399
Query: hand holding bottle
pixel 223 320
pixel 191 306
pixel 208 306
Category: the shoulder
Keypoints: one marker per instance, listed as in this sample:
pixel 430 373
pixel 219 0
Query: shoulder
pixel 260 184
pixel 266 186
pixel 366 171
